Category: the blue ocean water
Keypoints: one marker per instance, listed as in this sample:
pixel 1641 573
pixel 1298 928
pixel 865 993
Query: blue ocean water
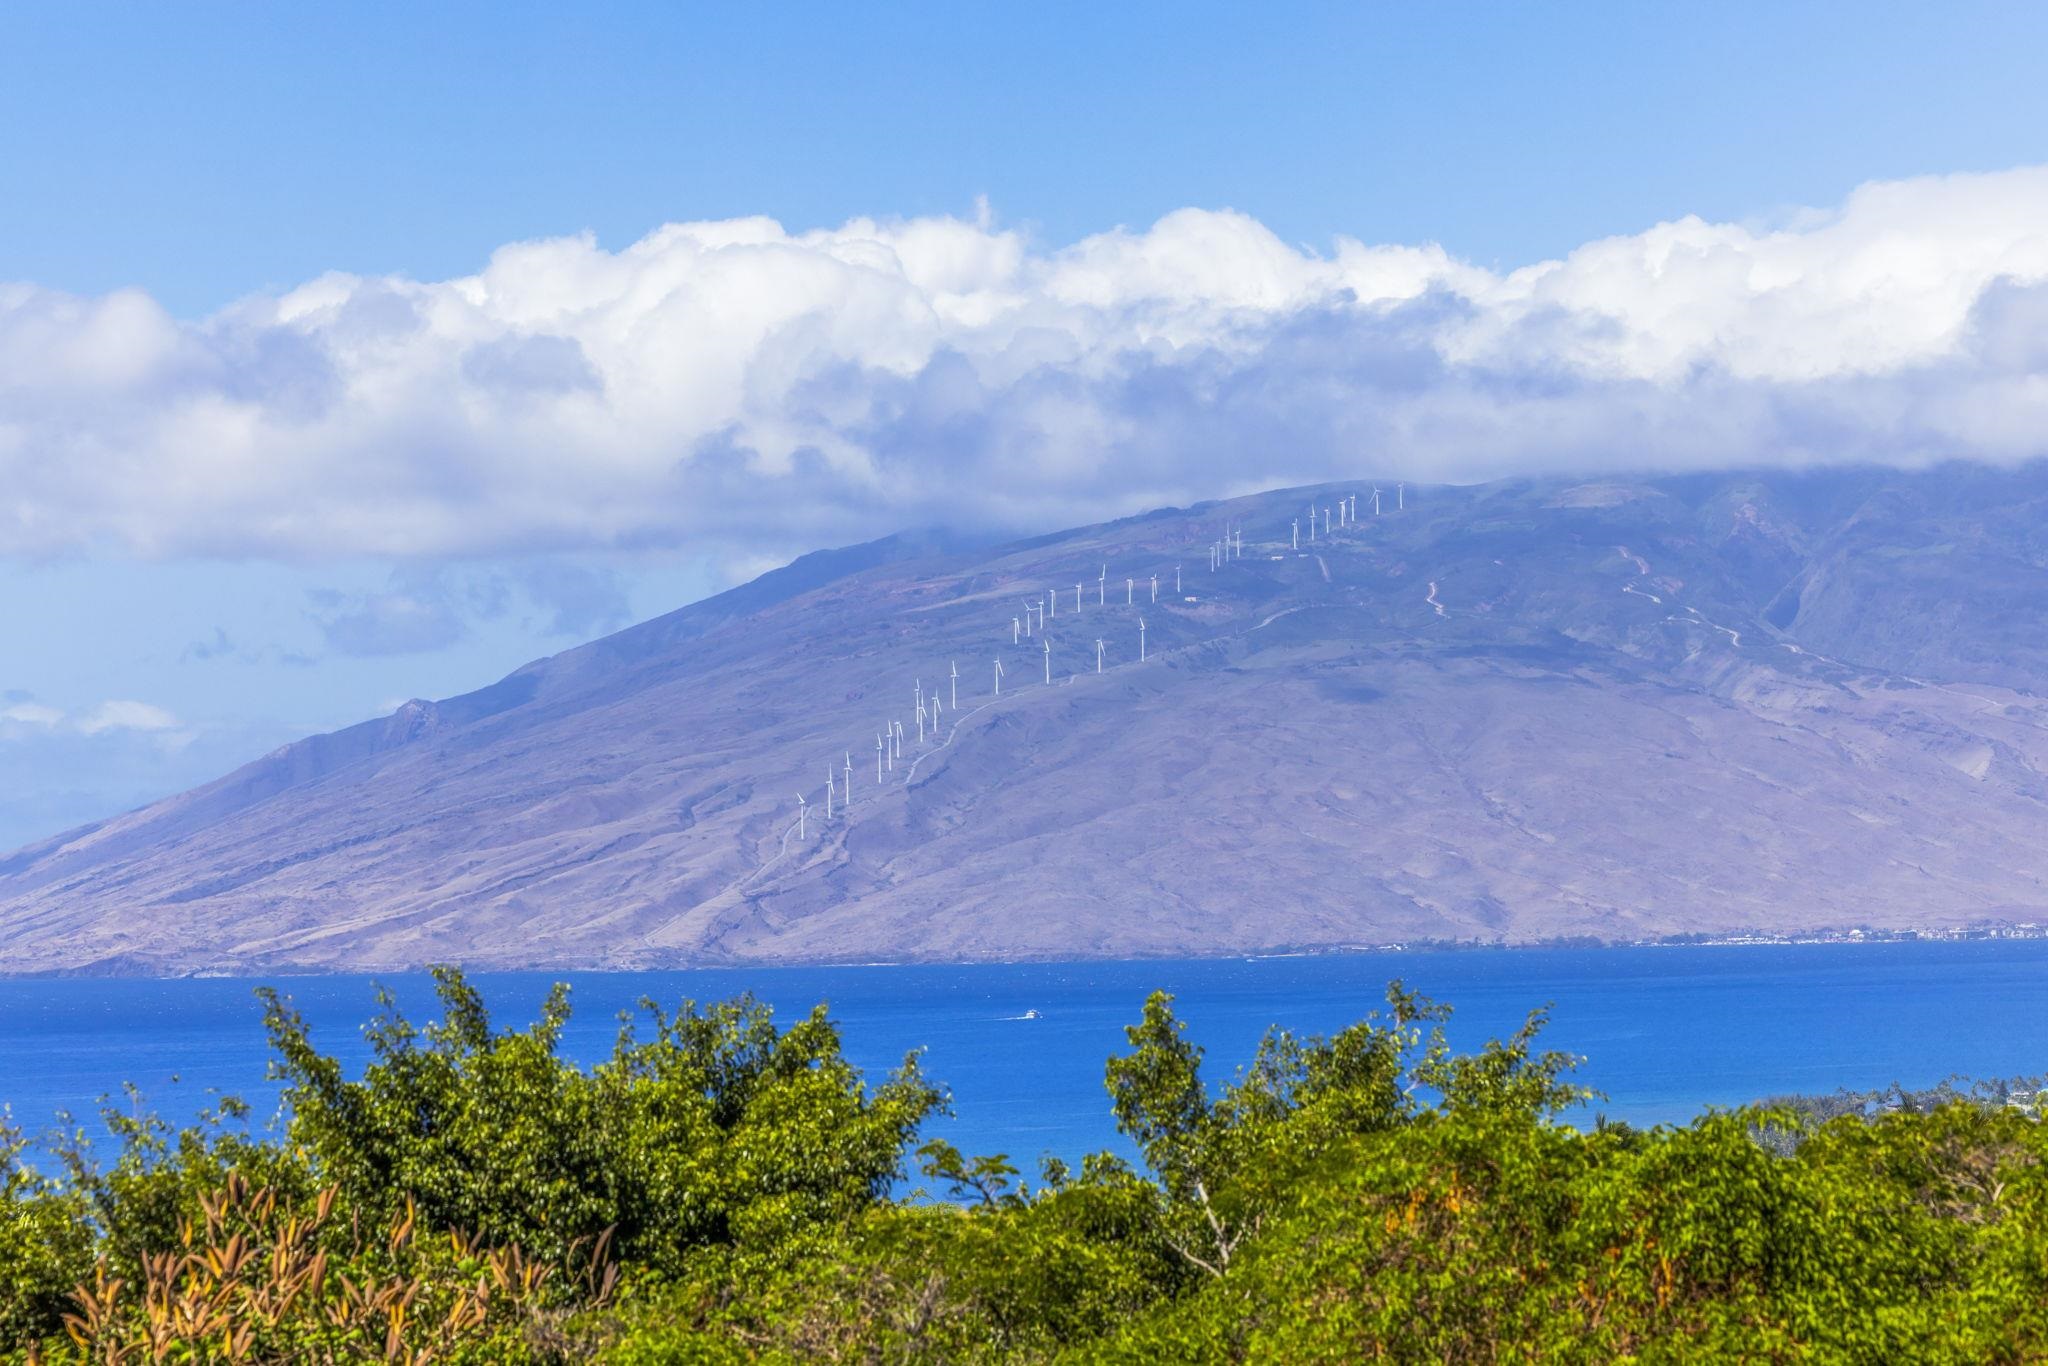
pixel 1665 1031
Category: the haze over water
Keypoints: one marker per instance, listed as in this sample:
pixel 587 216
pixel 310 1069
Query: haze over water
pixel 1666 1031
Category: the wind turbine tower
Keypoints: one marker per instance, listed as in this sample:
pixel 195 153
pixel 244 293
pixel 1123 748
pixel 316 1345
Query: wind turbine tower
pixel 849 778
pixel 828 792
pixel 1155 588
pixel 1400 496
pixel 1098 654
pixel 800 815
pixel 878 760
pixel 1297 535
pixel 1130 588
pixel 1375 500
pixel 1102 587
pixel 1013 630
pixel 1141 640
pixel 1047 642
pixel 999 678
pixel 955 681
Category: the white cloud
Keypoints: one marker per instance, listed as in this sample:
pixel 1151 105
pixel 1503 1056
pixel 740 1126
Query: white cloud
pixel 31 714
pixel 124 715
pixel 24 720
pixel 733 385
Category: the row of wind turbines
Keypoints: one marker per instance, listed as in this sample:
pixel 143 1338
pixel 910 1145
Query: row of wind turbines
pixel 927 708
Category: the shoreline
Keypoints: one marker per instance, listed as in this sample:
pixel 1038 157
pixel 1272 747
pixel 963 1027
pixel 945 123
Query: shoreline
pixel 1992 932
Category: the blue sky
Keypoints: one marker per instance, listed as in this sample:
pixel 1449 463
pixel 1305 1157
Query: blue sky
pixel 205 151
pixel 293 426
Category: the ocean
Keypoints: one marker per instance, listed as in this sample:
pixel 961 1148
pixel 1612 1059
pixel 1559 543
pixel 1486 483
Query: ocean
pixel 1666 1032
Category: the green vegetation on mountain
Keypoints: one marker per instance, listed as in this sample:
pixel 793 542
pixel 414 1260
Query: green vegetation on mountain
pixel 722 1190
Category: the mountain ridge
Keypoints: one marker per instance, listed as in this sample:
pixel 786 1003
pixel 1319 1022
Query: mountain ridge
pixel 1491 712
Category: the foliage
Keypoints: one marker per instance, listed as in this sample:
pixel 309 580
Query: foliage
pixel 254 1282
pixel 721 1192
pixel 719 1129
pixel 45 1244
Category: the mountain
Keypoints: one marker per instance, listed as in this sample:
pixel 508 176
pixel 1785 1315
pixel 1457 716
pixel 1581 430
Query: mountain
pixel 1621 709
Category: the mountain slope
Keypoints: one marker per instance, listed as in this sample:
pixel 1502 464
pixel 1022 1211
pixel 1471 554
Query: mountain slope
pixel 1512 711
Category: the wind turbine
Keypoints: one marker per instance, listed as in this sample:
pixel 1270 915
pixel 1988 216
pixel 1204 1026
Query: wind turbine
pixel 1297 535
pixel 1053 598
pixel 1098 655
pixel 1141 640
pixel 1155 588
pixel 1077 598
pixel 1176 578
pixel 1047 640
pixel 800 807
pixel 1013 630
pixel 1102 587
pixel 849 778
pixel 955 681
pixel 999 678
pixel 1311 523
pixel 1400 496
pixel 878 759
pixel 828 791
pixel 1326 521
pixel 1130 587
pixel 1240 540
pixel 1375 500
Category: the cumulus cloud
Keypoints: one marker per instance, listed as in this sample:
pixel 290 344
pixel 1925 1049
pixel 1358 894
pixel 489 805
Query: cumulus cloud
pixel 577 600
pixel 424 608
pixel 126 715
pixel 22 717
pixel 411 618
pixel 216 648
pixel 731 384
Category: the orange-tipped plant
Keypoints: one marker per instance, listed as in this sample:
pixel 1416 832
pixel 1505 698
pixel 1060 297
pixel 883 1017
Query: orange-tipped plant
pixel 254 1280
